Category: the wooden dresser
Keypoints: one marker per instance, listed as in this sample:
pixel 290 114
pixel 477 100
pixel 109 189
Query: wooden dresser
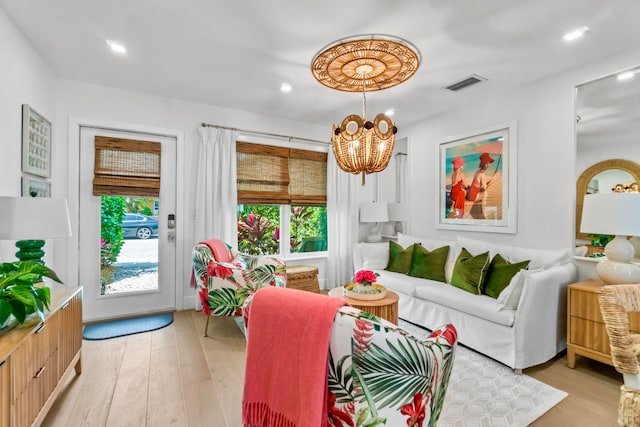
pixel 586 333
pixel 37 357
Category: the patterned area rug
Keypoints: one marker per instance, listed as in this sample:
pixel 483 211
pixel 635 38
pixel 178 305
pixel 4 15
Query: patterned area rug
pixel 483 392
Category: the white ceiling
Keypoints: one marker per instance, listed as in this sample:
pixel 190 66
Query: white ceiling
pixel 236 54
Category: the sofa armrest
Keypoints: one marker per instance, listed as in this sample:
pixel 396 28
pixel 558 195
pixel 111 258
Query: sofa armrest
pixel 541 318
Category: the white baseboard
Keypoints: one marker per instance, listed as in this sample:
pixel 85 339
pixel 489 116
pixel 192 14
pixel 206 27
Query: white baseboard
pixel 189 302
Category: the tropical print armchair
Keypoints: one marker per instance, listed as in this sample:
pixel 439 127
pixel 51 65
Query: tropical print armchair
pixel 381 375
pixel 225 280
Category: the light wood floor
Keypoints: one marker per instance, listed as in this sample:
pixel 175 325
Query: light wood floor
pixel 176 377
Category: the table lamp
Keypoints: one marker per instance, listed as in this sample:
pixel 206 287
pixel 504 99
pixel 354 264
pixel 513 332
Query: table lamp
pixel 398 214
pixel 374 212
pixel 617 214
pixel 30 220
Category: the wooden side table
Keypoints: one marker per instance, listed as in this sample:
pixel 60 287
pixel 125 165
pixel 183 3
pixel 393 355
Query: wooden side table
pixel 387 307
pixel 586 332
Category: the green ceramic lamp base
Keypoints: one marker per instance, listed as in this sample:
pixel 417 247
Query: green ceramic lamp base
pixel 30 250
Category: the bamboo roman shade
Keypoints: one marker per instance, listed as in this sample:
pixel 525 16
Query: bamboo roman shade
pixel 280 176
pixel 126 167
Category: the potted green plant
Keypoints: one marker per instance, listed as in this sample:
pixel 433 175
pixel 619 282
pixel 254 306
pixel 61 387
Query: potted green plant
pixel 19 297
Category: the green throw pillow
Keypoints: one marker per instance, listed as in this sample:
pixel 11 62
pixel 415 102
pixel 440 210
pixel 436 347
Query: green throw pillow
pixel 399 258
pixel 429 264
pixel 500 274
pixel 469 272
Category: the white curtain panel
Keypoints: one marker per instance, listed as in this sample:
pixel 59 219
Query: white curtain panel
pixel 342 219
pixel 401 177
pixel 216 190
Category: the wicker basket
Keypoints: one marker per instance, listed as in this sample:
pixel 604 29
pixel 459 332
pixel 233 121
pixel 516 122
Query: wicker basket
pixel 303 277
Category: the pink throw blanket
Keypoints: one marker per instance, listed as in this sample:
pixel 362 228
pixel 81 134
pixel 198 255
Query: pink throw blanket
pixel 287 357
pixel 220 253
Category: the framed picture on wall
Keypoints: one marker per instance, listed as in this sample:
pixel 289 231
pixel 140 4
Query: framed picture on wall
pixel 477 181
pixel 35 187
pixel 36 143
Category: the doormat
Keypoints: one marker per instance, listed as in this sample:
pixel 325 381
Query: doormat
pixel 119 328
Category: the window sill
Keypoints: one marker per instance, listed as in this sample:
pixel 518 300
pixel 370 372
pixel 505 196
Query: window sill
pixel 306 256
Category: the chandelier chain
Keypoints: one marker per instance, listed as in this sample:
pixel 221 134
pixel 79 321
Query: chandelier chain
pixel 364 103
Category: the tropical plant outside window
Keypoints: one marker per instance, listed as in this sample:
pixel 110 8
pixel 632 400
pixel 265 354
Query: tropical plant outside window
pixel 262 229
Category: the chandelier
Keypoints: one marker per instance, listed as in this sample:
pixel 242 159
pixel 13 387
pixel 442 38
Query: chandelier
pixel 361 64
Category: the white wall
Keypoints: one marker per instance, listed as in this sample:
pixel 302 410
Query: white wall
pixel 26 79
pixel 546 156
pixel 591 154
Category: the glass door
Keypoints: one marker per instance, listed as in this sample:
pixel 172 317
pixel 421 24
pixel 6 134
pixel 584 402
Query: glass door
pixel 127 241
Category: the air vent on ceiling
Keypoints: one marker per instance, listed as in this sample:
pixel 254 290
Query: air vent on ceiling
pixel 466 82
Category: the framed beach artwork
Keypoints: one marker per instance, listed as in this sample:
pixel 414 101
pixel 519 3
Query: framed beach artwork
pixel 477 181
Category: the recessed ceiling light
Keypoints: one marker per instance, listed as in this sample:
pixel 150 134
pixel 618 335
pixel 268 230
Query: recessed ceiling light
pixel 626 75
pixel 117 47
pixel 285 87
pixel 575 34
pixel 390 112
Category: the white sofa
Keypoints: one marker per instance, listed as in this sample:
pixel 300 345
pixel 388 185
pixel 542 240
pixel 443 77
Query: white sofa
pixel 523 327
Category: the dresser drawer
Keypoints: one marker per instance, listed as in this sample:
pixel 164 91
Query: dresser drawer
pixel 589 334
pixel 31 355
pixel 585 305
pixel 39 387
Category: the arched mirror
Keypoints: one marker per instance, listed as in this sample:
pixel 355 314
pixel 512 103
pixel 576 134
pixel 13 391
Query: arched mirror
pixel 608 176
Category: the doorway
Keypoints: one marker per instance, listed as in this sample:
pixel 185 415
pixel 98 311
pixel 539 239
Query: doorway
pixel 127 249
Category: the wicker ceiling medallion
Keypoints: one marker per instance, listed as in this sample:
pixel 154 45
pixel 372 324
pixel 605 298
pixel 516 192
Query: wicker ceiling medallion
pixel 361 64
pixel 369 62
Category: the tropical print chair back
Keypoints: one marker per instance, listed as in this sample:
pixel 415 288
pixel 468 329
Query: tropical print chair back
pixel 382 375
pixel 223 287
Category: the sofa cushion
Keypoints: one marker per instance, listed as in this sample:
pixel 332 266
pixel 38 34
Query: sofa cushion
pixel 539 258
pixel 375 256
pixel 500 274
pixel 470 271
pixel 399 258
pixel 399 282
pixel 429 264
pixel 457 299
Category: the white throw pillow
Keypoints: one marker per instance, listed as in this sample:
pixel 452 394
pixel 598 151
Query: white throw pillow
pixel 510 296
pixel 375 256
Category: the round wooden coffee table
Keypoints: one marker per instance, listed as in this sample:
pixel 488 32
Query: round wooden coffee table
pixel 387 307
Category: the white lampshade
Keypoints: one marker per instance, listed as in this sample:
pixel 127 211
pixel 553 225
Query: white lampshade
pixel 397 211
pixel 34 218
pixel 612 213
pixel 617 214
pixel 374 212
